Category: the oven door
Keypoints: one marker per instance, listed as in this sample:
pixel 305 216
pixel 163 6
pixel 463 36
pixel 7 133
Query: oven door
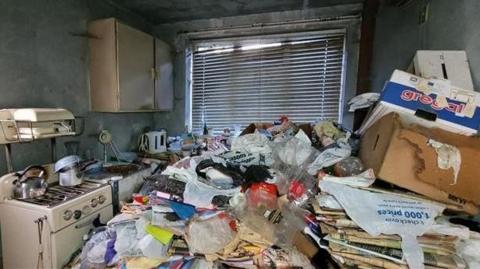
pixel 68 240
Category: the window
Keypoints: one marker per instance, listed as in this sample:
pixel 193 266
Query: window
pixel 262 79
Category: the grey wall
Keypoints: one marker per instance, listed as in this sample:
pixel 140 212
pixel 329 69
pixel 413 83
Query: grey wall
pixel 452 25
pixel 43 63
pixel 178 34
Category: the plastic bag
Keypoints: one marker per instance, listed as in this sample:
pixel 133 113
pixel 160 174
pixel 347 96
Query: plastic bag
pixel 209 234
pixel 201 195
pixel 251 143
pixel 363 100
pixel 152 248
pixel 294 152
pixel 302 186
pixel 128 237
pixel 244 158
pixel 378 213
pixel 280 180
pixel 95 250
pixel 328 158
pixel 196 192
pixel 302 136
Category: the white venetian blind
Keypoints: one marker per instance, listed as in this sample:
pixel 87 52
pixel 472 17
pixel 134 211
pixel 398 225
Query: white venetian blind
pixel 240 85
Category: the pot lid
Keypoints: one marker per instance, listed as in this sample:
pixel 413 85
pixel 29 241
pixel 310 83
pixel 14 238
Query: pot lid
pixel 65 162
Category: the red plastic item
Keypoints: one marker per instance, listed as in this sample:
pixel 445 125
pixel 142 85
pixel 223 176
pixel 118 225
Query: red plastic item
pixel 296 190
pixel 140 199
pixel 262 194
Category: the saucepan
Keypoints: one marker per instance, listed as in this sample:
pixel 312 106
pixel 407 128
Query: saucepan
pixel 68 171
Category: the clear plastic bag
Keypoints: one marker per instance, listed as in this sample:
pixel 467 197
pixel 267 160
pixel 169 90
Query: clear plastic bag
pixel 152 248
pixel 209 234
pixel 294 152
pixel 128 237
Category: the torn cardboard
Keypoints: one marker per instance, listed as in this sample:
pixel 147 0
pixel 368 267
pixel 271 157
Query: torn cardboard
pixel 399 153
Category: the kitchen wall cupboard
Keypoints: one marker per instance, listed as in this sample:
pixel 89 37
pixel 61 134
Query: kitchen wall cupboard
pixel 124 69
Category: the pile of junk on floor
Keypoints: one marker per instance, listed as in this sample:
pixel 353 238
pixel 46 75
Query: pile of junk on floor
pixel 402 192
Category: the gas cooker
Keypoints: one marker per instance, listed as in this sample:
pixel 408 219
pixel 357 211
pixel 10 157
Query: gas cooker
pixel 57 194
pixel 51 225
pixel 63 205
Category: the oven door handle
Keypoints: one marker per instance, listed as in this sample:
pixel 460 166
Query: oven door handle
pixel 93 222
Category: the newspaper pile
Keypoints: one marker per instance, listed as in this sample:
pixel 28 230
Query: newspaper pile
pixel 372 228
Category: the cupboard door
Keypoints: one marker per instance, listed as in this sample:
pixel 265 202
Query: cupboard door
pixel 102 66
pixel 164 56
pixel 135 69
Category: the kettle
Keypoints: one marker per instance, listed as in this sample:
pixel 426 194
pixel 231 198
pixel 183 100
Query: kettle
pixel 30 184
pixel 153 142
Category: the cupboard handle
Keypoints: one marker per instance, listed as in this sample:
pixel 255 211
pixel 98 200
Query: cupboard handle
pixel 153 73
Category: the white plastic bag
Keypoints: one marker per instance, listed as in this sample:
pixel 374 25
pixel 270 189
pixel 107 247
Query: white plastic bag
pixel 196 193
pixel 378 213
pixel 200 194
pixel 295 152
pixel 251 143
pixel 329 157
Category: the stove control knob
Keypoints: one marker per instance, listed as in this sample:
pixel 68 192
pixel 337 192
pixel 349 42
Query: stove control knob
pixel 77 214
pixel 67 215
pixel 86 210
pixel 102 199
pixel 94 202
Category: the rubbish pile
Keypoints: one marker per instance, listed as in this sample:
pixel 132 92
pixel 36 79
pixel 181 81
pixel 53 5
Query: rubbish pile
pixel 277 198
pixel 286 195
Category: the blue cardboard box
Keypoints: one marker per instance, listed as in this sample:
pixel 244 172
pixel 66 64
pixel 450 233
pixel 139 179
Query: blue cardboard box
pixel 431 102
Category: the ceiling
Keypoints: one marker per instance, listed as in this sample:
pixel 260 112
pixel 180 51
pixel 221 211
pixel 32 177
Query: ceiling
pixel 166 11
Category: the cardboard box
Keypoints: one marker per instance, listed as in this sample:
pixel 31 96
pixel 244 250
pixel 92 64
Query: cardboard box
pixel 447 107
pixel 399 153
pixel 443 64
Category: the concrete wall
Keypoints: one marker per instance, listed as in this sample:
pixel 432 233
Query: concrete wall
pixel 178 34
pixel 451 25
pixel 43 63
